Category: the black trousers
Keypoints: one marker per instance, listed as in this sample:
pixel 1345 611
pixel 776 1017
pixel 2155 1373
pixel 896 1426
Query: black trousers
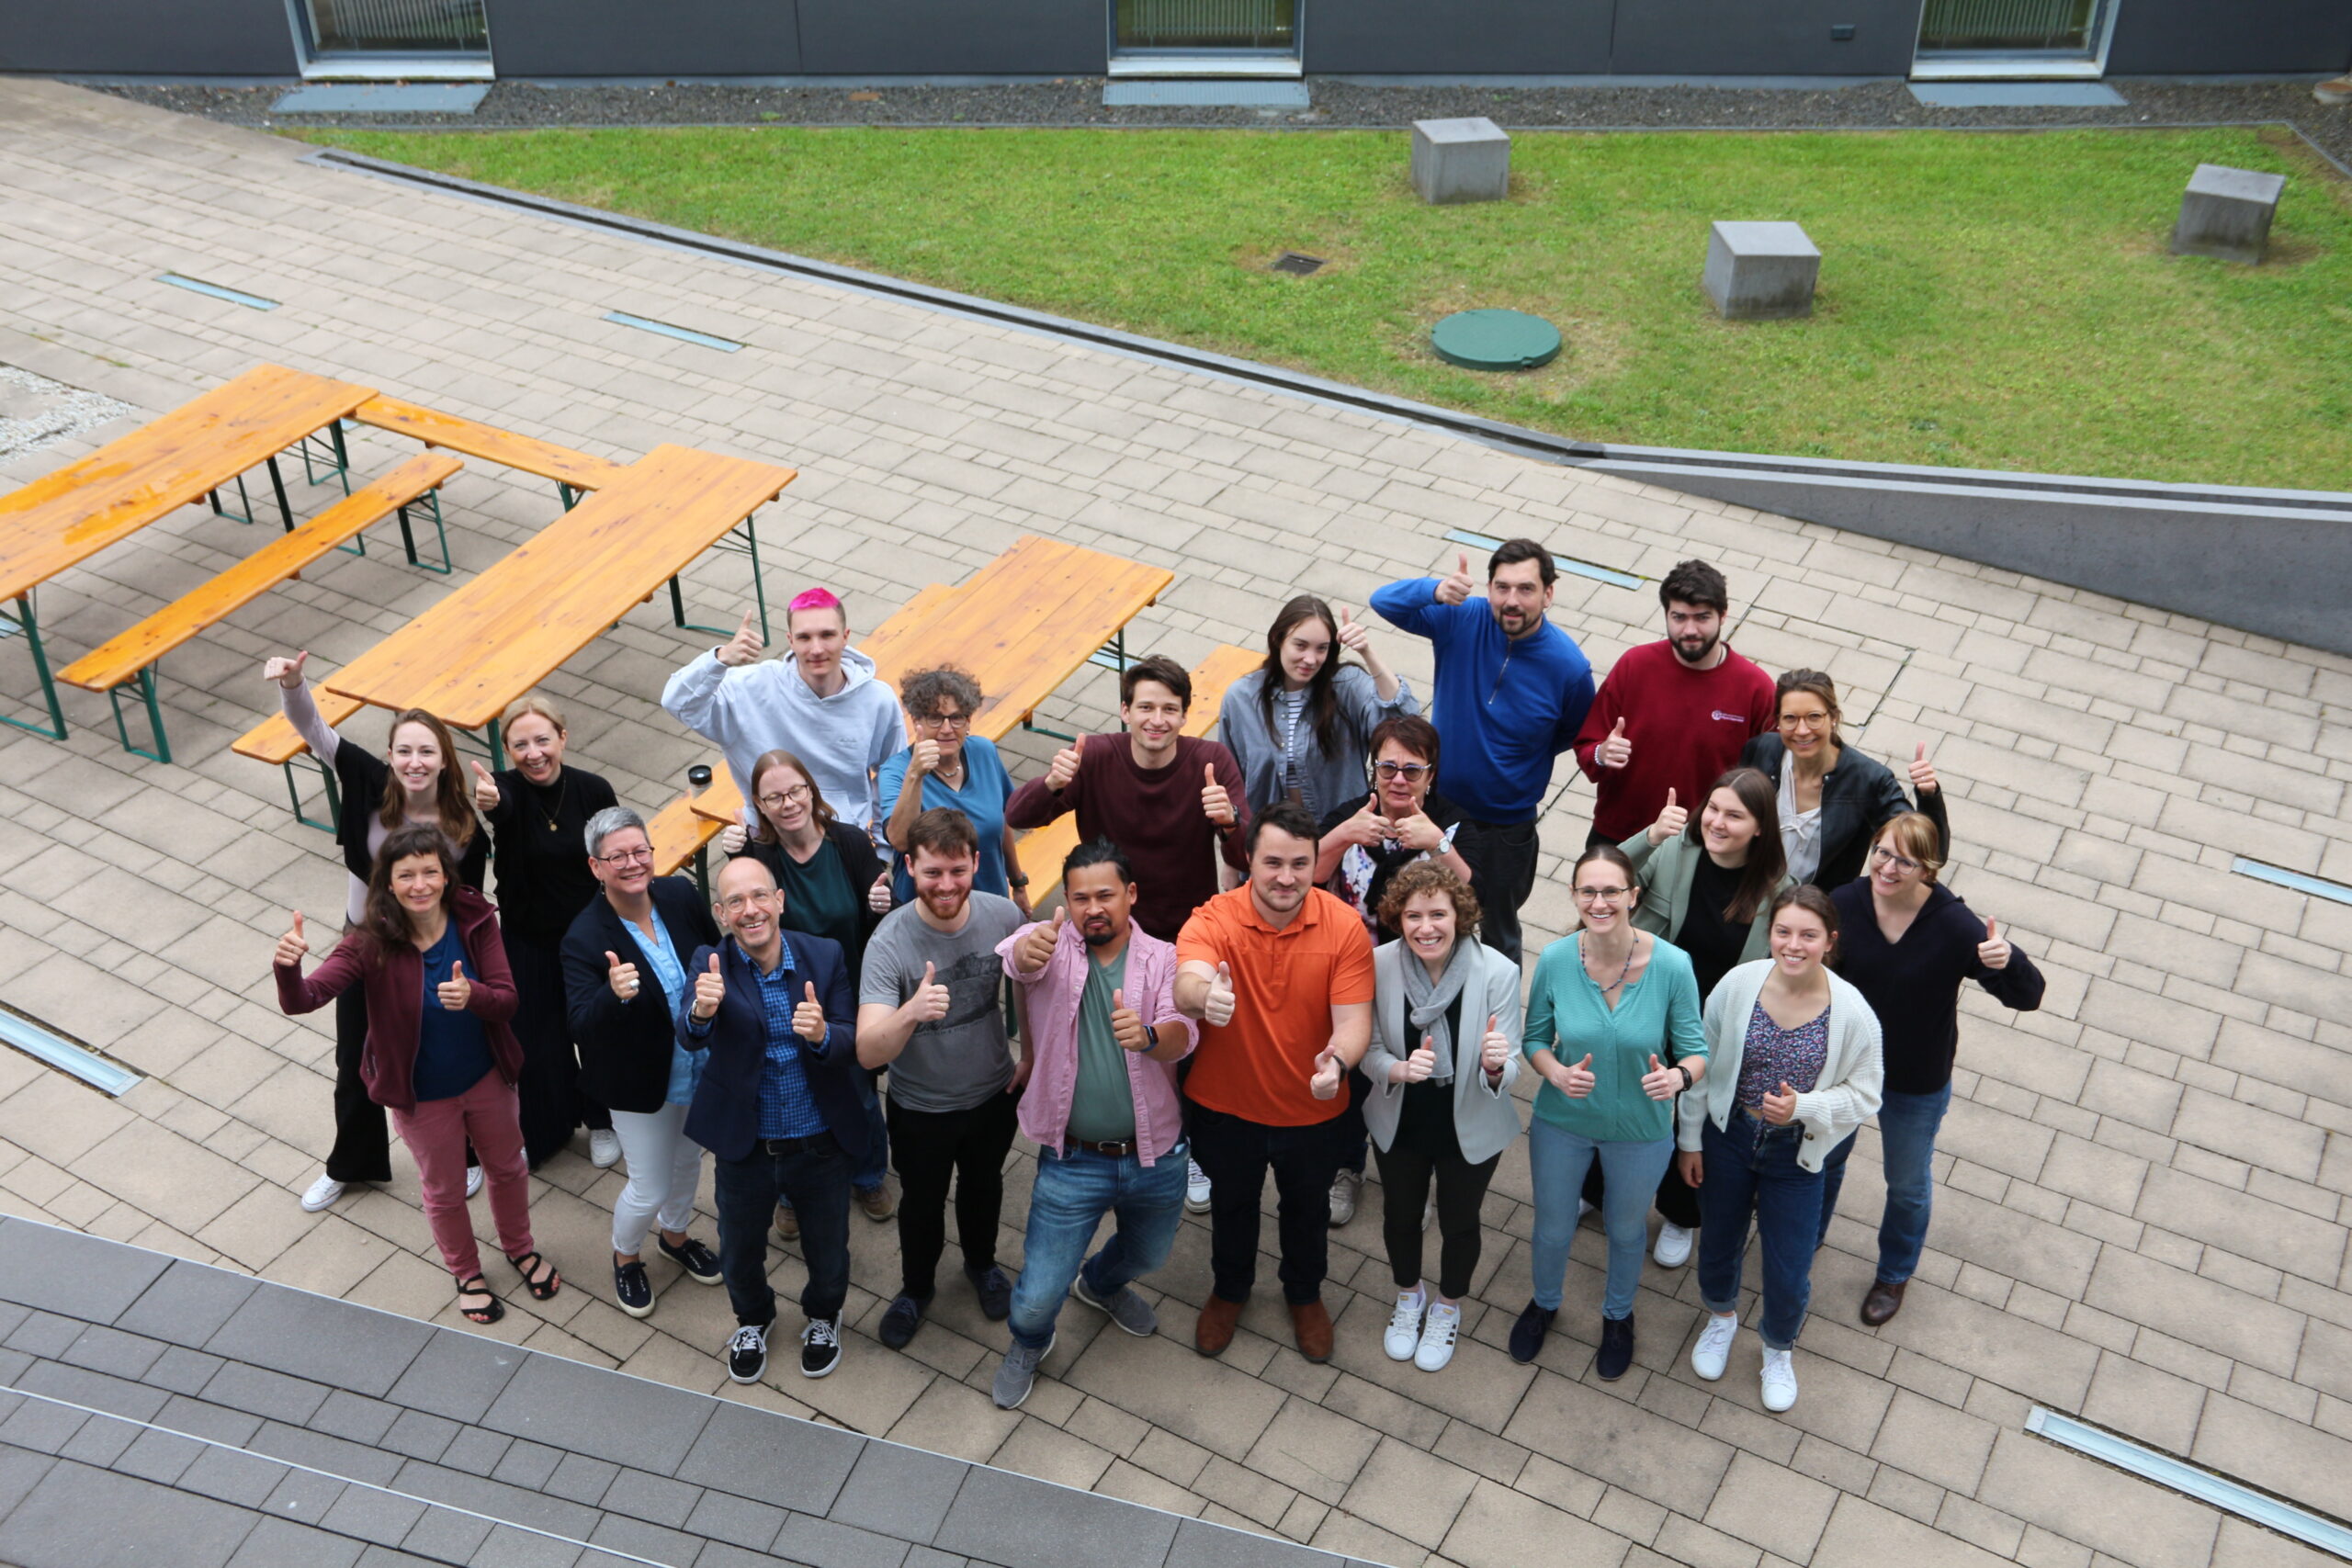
pixel 549 1088
pixel 1502 871
pixel 1404 1176
pixel 810 1174
pixel 930 1149
pixel 363 1139
pixel 1236 1154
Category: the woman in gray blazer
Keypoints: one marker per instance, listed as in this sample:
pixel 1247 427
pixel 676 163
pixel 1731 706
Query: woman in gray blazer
pixel 1445 1051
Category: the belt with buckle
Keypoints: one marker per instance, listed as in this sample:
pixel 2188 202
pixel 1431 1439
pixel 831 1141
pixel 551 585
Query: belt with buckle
pixel 1113 1150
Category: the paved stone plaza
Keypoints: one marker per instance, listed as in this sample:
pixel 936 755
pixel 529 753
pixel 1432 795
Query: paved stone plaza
pixel 2142 1194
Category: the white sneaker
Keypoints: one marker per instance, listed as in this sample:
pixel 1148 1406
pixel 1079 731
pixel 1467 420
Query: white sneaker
pixel 1673 1248
pixel 1437 1336
pixel 1780 1379
pixel 603 1148
pixel 1428 1211
pixel 473 1180
pixel 1345 1186
pixel 1714 1350
pixel 1404 1335
pixel 1196 1188
pixel 1584 1210
pixel 323 1193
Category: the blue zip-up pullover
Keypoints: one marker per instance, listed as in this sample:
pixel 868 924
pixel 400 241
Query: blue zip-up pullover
pixel 1503 709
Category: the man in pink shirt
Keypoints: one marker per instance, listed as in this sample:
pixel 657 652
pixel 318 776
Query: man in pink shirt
pixel 1105 1039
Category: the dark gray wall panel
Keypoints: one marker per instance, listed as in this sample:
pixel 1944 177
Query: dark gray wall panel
pixel 954 37
pixel 2183 37
pixel 163 37
pixel 1783 38
pixel 626 37
pixel 1472 37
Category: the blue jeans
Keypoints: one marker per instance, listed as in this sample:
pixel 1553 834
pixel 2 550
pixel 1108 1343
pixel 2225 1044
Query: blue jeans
pixel 868 1175
pixel 1558 1159
pixel 810 1174
pixel 1752 1173
pixel 1072 1193
pixel 1907 1132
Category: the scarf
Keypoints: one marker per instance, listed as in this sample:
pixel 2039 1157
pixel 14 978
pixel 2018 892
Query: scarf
pixel 1800 830
pixel 1428 1001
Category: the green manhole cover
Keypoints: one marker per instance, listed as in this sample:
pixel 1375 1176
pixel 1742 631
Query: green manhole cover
pixel 1495 340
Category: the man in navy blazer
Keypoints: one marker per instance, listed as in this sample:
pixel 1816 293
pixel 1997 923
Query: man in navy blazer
pixel 778 1107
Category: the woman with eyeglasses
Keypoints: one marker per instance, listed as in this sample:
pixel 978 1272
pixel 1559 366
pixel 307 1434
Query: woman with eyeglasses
pixel 537 811
pixel 1399 821
pixel 1832 799
pixel 1796 1068
pixel 1613 1028
pixel 954 768
pixel 1909 944
pixel 1300 723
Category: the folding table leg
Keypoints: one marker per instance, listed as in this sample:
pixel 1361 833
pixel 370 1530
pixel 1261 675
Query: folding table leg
pixel 564 492
pixel 334 799
pixel 277 483
pixel 246 517
pixel 751 547
pixel 334 461
pixel 407 540
pixel 162 751
pixel 26 622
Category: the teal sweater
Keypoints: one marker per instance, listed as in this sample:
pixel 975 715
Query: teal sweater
pixel 1567 1014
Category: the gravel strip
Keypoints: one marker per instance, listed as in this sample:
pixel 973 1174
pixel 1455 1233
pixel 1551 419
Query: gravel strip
pixel 1078 102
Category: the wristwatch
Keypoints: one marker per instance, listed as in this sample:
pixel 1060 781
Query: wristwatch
pixel 1686 1074
pixel 1016 882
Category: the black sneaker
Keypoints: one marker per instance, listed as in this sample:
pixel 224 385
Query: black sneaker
pixel 1616 1348
pixel 1527 1334
pixel 700 1263
pixel 747 1353
pixel 899 1321
pixel 821 1346
pixel 995 1292
pixel 632 1289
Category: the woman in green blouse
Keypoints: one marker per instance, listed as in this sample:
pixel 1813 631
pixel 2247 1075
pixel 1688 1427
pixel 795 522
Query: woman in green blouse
pixel 1609 1007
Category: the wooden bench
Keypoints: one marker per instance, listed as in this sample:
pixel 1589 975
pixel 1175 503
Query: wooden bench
pixel 135 653
pixel 682 835
pixel 274 741
pixel 571 471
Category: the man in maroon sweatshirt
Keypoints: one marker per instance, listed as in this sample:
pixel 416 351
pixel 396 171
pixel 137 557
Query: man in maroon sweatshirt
pixel 1672 714
pixel 1174 803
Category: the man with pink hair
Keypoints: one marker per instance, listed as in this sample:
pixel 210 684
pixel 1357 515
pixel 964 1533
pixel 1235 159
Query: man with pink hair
pixel 821 701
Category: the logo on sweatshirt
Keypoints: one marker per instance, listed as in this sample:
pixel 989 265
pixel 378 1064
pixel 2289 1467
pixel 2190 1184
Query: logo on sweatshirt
pixel 1729 718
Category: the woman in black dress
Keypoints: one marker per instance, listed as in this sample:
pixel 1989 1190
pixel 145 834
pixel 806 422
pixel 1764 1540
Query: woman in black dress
pixel 537 810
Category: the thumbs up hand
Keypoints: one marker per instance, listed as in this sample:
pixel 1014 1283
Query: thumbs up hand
pixel 1325 1084
pixel 1670 821
pixel 454 991
pixel 1495 1048
pixel 1214 802
pixel 924 758
pixel 1923 771
pixel 808 1016
pixel 1127 1027
pixel 1457 588
pixel 930 1000
pixel 1353 636
pixel 1994 951
pixel 710 989
pixel 293 947
pixel 732 838
pixel 877 897
pixel 1781 1107
pixel 1037 944
pixel 1064 768
pixel 1417 1068
pixel 621 977
pixel 286 672
pixel 1614 750
pixel 745 645
pixel 485 789
pixel 1662 1082
pixel 1218 1007
pixel 1575 1081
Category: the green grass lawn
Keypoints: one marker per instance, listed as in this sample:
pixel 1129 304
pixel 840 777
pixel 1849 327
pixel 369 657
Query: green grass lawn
pixel 1997 301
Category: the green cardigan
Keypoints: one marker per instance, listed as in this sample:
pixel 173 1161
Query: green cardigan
pixel 1667 873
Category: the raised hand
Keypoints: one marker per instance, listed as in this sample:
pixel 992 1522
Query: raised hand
pixel 924 758
pixel 1417 1068
pixel 745 646
pixel 1215 804
pixel 286 672
pixel 1368 827
pixel 1064 768
pixel 1458 587
pixel 877 897
pixel 732 838
pixel 808 1016
pixel 1780 1108
pixel 1329 1072
pixel 621 977
pixel 293 947
pixel 1037 944
pixel 1416 833
pixel 1127 1027
pixel 1353 638
pixel 1495 1048
pixel 1576 1079
pixel 456 990
pixel 485 789
pixel 930 1000
pixel 1218 1007
pixel 1994 951
pixel 710 989
pixel 1662 1082
pixel 1670 821
pixel 1614 750
pixel 1923 771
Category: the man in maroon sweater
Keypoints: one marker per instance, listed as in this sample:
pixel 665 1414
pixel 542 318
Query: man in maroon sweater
pixel 1672 714
pixel 1172 803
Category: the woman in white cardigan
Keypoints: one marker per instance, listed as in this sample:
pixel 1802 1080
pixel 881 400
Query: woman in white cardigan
pixel 1794 1068
pixel 1445 1051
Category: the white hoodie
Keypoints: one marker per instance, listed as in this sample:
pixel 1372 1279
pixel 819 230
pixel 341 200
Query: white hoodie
pixel 762 706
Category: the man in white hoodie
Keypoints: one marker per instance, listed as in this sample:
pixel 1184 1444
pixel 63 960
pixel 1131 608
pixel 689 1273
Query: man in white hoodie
pixel 821 701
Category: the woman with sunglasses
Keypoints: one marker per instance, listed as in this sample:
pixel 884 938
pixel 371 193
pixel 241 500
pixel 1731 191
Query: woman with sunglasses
pixel 1908 947
pixel 1833 800
pixel 1300 723
pixel 954 768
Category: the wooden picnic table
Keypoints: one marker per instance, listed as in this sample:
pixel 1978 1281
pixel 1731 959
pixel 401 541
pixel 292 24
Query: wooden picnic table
pixel 62 519
pixel 502 633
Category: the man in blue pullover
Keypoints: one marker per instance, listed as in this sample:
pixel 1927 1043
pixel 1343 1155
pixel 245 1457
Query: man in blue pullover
pixel 1511 692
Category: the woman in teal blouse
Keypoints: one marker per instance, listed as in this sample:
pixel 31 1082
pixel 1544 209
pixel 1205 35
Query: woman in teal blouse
pixel 1609 1007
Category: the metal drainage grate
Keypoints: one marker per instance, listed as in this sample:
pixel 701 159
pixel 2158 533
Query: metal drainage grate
pixel 2317 886
pixel 235 297
pixel 1298 265
pixel 1609 575
pixel 29 1036
pixel 684 334
pixel 2205 1486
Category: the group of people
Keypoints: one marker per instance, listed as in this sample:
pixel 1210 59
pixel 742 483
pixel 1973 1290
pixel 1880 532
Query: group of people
pixel 1296 948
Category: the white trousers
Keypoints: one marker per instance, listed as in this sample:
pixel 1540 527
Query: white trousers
pixel 664 1168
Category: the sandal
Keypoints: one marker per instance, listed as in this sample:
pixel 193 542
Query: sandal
pixel 485 1315
pixel 528 1266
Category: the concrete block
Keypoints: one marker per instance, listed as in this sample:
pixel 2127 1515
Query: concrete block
pixel 2226 213
pixel 1760 270
pixel 1461 159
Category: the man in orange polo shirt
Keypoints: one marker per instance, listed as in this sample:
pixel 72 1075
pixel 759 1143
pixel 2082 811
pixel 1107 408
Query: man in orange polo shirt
pixel 1279 971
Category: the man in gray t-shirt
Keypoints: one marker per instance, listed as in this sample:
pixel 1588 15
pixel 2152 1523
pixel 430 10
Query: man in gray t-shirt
pixel 929 1010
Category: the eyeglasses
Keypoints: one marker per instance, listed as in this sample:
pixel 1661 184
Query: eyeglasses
pixel 743 901
pixel 1881 855
pixel 1601 894
pixel 627 857
pixel 946 720
pixel 1807 721
pixel 1411 772
pixel 775 802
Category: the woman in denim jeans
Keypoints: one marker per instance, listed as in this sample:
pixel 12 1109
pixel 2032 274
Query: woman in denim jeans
pixel 1795 1070
pixel 1909 945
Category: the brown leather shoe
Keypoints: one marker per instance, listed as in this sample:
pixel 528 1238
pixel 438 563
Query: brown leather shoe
pixel 1883 1301
pixel 1213 1332
pixel 1313 1326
